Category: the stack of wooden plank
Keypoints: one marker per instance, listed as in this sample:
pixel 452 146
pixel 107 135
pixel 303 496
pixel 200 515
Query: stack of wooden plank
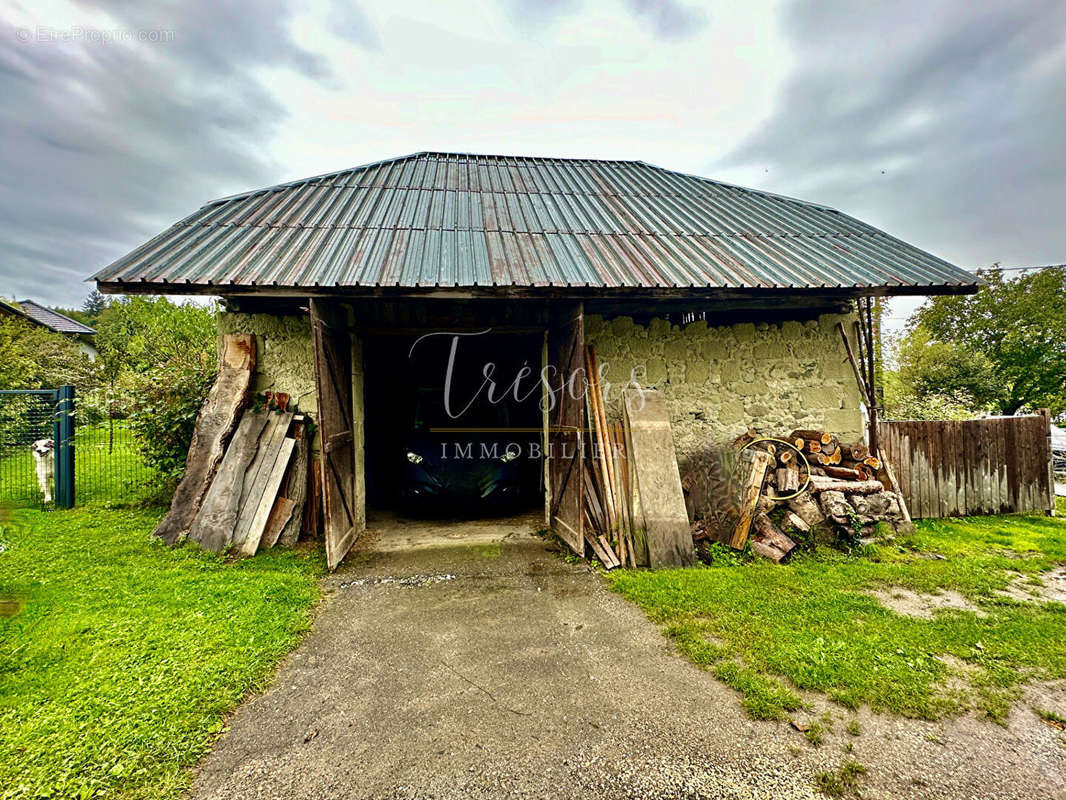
pixel 634 504
pixel 246 480
pixel 608 516
pixel 257 497
pixel 215 424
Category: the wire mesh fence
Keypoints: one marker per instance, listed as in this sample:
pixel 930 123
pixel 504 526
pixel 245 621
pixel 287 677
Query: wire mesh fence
pixel 35 464
pixel 107 464
pixel 27 417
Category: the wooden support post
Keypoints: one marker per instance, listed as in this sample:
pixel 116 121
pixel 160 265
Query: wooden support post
pixel 1045 414
pixel 871 373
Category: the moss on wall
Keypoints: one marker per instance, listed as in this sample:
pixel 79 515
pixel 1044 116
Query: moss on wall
pixel 721 380
pixel 284 360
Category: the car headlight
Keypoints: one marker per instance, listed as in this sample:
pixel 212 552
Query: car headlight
pixel 414 458
pixel 509 456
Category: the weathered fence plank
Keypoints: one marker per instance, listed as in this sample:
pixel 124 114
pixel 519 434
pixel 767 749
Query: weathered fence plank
pixel 984 466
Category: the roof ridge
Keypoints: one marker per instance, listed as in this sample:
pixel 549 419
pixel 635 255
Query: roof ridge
pixel 424 153
pixel 298 181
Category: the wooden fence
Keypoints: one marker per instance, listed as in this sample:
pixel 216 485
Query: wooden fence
pixel 982 466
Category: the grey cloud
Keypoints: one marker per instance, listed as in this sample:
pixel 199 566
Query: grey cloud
pixel 942 124
pixel 105 144
pixel 669 19
pixel 666 19
pixel 538 14
pixel 350 22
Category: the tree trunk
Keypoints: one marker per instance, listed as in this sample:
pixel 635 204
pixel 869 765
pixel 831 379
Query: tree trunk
pixel 846 487
pixel 807 510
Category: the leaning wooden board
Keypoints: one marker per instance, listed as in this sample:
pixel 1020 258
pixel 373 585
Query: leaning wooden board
pixel 213 527
pixel 755 463
pixel 214 424
pixel 259 474
pixel 296 485
pixel 265 501
pixel 283 512
pixel 658 480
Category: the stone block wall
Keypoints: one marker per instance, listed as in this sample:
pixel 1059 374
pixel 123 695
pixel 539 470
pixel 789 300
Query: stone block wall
pixel 721 380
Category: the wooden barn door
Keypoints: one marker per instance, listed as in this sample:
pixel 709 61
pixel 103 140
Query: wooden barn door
pixel 566 420
pixel 338 384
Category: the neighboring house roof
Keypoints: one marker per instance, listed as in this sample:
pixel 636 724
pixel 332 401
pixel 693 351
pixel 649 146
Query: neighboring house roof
pixel 53 319
pixel 454 220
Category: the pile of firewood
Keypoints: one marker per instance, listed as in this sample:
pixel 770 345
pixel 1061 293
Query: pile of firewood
pixel 783 489
pixel 851 461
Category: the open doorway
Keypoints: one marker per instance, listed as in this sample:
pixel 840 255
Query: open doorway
pixel 454 424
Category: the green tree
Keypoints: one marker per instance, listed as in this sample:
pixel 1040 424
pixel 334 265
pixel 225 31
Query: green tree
pixel 925 367
pixel 94 304
pixel 33 357
pixel 1007 342
pixel 159 359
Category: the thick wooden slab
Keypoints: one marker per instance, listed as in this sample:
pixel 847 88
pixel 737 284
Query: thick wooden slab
pixel 296 485
pixel 213 527
pixel 658 481
pixel 756 464
pixel 214 425
pixel 265 502
pixel 259 473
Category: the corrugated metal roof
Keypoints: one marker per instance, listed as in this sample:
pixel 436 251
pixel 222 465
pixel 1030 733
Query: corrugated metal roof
pixel 448 220
pixel 52 319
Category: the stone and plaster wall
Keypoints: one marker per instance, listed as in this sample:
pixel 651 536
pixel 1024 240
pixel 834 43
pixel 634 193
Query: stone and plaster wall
pixel 284 360
pixel 721 380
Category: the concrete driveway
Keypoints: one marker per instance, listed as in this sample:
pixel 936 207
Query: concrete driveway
pixel 465 661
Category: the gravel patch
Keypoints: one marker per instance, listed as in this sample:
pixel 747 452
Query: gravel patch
pixel 1052 588
pixel 924 606
pixel 409 580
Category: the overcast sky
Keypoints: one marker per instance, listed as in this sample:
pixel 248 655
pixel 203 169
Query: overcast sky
pixel 941 123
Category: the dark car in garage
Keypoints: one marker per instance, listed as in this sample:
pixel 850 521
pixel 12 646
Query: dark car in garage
pixel 466 461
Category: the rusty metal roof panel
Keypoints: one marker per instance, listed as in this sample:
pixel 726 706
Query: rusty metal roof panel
pixel 438 219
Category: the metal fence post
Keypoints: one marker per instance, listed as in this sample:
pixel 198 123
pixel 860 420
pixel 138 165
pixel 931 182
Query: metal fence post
pixel 64 448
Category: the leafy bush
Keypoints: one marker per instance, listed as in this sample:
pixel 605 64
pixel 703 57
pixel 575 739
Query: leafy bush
pixel 165 403
pixel 159 362
pixel 33 357
pixel 936 405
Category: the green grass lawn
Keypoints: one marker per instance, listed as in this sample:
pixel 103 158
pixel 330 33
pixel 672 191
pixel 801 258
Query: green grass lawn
pixel 122 657
pixel 106 469
pixel 770 630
